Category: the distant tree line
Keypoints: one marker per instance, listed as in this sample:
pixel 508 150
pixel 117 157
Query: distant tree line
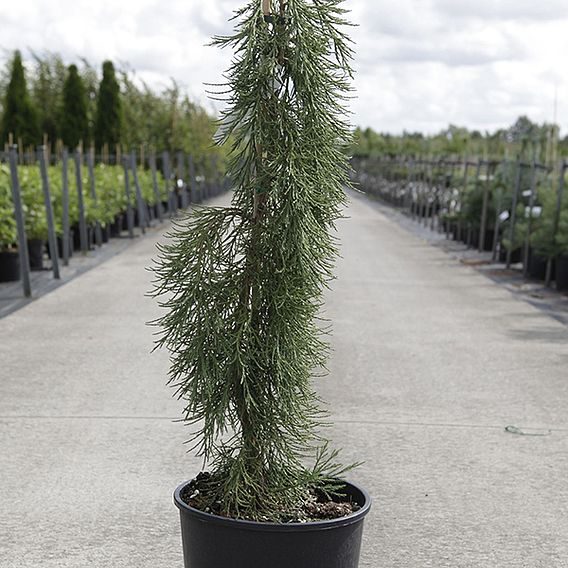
pixel 47 100
pixel 525 137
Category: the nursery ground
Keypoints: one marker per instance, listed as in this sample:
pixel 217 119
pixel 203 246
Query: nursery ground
pixel 432 361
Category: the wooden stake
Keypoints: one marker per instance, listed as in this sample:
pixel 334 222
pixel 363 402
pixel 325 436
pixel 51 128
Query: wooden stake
pixel 266 7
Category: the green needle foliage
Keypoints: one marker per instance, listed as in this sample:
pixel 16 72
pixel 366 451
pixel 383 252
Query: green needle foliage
pixel 109 112
pixel 20 117
pixel 74 119
pixel 243 284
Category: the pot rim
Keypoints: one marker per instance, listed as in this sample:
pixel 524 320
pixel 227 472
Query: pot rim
pixel 326 524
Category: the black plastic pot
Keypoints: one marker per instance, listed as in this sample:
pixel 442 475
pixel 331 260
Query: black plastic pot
pixel 35 252
pixel 105 233
pixel 116 226
pixel 9 266
pixel 210 541
pixel 487 243
pixel 516 255
pixel 60 246
pixel 537 266
pixel 562 273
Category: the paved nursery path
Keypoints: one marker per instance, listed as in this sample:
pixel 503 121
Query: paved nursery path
pixel 432 361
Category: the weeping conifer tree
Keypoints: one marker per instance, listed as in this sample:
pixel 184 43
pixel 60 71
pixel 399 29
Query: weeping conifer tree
pixel 243 284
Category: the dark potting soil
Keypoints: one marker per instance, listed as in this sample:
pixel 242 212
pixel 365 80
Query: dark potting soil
pixel 316 507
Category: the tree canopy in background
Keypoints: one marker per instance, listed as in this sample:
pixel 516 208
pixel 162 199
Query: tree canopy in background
pixel 523 137
pixel 120 108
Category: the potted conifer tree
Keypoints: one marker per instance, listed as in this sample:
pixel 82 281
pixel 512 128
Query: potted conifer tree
pixel 242 288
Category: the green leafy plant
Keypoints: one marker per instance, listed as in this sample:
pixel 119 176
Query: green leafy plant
pixel 111 196
pixel 33 204
pixel 243 284
pixel 8 232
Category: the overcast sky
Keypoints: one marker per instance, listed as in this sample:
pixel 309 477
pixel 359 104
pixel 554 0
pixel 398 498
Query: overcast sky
pixel 421 64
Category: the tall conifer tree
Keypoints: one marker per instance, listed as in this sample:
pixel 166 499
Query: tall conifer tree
pixel 20 117
pixel 74 119
pixel 243 284
pixel 109 113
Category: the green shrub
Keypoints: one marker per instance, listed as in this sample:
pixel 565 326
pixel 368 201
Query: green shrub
pixel 33 204
pixel 8 231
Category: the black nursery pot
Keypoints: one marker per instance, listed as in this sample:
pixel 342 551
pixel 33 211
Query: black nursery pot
pixel 537 266
pixel 105 233
pixel 210 541
pixel 35 252
pixel 9 266
pixel 488 240
pixel 562 273
pixel 516 255
pixel 116 226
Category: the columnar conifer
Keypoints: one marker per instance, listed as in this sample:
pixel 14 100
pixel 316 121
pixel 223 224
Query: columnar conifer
pixel 74 119
pixel 109 113
pixel 20 117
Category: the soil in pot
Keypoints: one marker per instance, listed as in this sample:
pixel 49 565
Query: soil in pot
pixel 35 252
pixel 316 507
pixel 9 266
pixel 562 273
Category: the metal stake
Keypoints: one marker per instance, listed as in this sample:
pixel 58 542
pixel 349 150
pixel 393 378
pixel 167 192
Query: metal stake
pixel 513 218
pixel 129 212
pixel 81 204
pixel 90 167
pixel 142 217
pixel 155 186
pixel 22 240
pixel 65 204
pixel 51 238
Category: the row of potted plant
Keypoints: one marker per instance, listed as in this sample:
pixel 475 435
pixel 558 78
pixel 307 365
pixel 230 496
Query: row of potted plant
pixel 466 205
pixel 532 227
pixel 107 210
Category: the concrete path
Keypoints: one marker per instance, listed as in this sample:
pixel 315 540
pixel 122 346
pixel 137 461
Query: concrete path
pixel 431 362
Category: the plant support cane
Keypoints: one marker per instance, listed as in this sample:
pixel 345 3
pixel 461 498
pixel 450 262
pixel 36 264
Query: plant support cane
pixel 242 286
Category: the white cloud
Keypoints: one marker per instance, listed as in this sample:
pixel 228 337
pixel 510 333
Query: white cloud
pixel 421 63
